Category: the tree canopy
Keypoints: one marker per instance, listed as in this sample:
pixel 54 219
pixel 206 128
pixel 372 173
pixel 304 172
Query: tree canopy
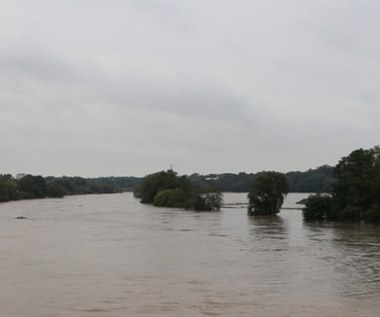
pixel 32 186
pixel 167 189
pixel 268 193
pixel 8 188
pixel 317 180
pixel 356 191
pixel 313 180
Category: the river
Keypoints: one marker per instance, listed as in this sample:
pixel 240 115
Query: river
pixel 109 255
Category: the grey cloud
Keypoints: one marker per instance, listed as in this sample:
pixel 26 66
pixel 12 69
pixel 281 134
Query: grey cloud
pixel 84 80
pixel 210 86
pixel 163 9
pixel 195 101
pixel 36 67
pixel 352 28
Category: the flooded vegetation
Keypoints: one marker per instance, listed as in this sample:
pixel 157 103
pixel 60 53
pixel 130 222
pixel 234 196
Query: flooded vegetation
pixel 109 255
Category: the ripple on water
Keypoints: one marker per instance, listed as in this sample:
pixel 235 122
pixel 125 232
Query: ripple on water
pixel 80 257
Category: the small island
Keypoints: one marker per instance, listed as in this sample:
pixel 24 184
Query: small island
pixel 167 189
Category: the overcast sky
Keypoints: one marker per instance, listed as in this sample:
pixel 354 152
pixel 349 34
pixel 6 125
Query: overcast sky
pixel 129 87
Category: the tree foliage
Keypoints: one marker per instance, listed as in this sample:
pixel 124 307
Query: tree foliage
pixel 268 193
pixel 318 180
pixel 170 198
pixel 356 191
pixel 160 181
pixel 8 188
pixel 313 180
pixel 167 189
pixel 317 207
pixel 213 200
pixel 32 187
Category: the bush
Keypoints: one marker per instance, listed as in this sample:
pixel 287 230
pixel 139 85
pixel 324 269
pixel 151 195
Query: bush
pixel 351 213
pixel 170 198
pixel 166 189
pixel 213 200
pixel 317 207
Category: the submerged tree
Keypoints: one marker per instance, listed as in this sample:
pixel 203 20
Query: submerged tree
pixel 213 200
pixel 268 194
pixel 317 207
pixel 167 189
pixel 162 181
pixel 356 190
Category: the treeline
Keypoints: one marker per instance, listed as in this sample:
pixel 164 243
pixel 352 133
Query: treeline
pixel 62 186
pixel 31 186
pixel 319 180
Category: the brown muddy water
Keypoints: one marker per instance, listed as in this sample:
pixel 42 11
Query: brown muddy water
pixel 109 255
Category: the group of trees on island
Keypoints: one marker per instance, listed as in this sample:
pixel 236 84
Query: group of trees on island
pixel 167 189
pixel 356 191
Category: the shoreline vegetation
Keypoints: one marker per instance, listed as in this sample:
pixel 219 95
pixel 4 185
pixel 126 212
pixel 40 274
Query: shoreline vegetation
pixel 355 195
pixel 348 192
pixel 34 187
pixel 28 186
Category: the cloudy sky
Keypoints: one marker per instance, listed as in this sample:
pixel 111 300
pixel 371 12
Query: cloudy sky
pixel 128 87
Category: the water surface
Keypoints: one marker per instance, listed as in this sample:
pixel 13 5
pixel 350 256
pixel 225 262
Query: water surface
pixel 109 255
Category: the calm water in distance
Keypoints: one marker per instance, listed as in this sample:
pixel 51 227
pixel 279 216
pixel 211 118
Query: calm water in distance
pixel 109 255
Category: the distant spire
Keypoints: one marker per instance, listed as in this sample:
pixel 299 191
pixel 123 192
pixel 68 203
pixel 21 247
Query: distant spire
pixel 171 167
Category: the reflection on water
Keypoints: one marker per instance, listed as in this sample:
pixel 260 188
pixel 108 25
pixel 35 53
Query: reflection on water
pixel 108 255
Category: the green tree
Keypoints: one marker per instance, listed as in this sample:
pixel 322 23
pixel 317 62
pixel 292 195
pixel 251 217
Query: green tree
pixel 170 198
pixel 8 188
pixel 55 188
pixel 159 181
pixel 357 177
pixel 167 189
pixel 317 180
pixel 213 200
pixel 356 190
pixel 32 187
pixel 317 207
pixel 268 193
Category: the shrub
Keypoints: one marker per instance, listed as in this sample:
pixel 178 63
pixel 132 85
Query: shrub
pixel 317 207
